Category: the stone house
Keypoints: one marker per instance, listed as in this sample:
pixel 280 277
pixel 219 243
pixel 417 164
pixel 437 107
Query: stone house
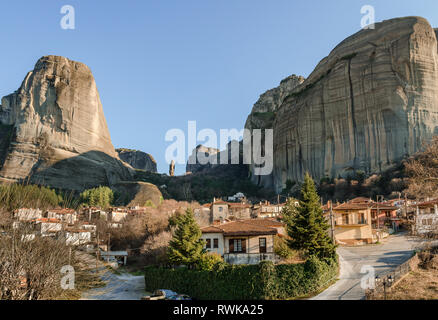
pixel 94 213
pixel 117 214
pixel 48 226
pixel 267 210
pixel 426 217
pixel 241 242
pixel 27 214
pixel 76 237
pixel 69 216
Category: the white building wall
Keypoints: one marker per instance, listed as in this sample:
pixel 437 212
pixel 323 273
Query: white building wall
pixel 213 236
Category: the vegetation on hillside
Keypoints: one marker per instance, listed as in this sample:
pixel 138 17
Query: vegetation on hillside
pixel 102 197
pixel 306 225
pixel 15 196
pixel 422 171
pixel 202 187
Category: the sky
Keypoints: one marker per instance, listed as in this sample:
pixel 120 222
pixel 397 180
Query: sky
pixel 159 64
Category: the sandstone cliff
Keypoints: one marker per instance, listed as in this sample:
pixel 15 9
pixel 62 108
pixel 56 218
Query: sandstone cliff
pixel 201 151
pixel 366 106
pixel 54 131
pixel 138 159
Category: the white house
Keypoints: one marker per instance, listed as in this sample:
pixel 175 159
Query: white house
pixel 242 242
pixel 117 214
pixel 49 227
pixel 77 237
pixel 426 218
pixel 69 216
pixel 27 214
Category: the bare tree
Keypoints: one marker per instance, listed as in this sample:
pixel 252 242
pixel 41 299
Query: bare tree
pixel 422 170
pixel 30 267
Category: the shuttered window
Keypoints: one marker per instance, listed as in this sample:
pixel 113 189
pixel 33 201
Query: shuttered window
pixel 262 245
pixel 237 245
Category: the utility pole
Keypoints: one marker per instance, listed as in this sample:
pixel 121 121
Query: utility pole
pixel 331 223
pixel 97 250
pixel 108 247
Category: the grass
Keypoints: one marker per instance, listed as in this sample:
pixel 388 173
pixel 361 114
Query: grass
pixel 420 284
pixel 85 279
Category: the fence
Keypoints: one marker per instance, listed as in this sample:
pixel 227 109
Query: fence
pixel 395 276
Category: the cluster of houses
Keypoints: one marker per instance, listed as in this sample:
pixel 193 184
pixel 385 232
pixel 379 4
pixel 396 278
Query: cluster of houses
pixel 243 233
pixel 77 228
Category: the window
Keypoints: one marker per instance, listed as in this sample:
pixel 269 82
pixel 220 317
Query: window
pixel 208 244
pixel 262 245
pixel 345 219
pixel 237 246
pixel 362 218
pixel 216 243
pixel 220 209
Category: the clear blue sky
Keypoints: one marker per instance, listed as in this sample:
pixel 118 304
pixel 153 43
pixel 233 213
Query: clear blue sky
pixel 159 64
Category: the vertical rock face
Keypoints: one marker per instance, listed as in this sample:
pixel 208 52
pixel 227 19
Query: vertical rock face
pixel 369 104
pixel 138 159
pixel 193 165
pixel 57 133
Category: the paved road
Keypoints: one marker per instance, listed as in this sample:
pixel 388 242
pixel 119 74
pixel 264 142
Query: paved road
pixel 383 257
pixel 118 286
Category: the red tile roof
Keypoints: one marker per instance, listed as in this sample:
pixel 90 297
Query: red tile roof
pixel 62 211
pixel 240 228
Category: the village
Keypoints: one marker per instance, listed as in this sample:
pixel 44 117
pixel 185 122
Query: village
pixel 239 231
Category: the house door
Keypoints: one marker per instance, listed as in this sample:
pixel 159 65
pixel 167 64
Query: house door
pixel 262 245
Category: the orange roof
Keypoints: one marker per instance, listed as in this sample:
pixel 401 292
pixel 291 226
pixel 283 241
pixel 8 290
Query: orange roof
pixel 383 206
pixel 51 220
pixel 62 211
pixel 239 205
pixel 240 228
pixel 264 222
pixel 351 206
pixel 360 200
pixel 428 203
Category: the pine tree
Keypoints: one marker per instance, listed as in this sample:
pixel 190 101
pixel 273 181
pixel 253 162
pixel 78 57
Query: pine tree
pixel 186 247
pixel 307 228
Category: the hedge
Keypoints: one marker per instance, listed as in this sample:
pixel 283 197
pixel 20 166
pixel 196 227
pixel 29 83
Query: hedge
pixel 245 282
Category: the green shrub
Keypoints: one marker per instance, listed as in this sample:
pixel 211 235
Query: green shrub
pixel 245 282
pixel 209 261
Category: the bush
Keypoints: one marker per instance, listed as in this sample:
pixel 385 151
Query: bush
pixel 281 248
pixel 245 282
pixel 209 261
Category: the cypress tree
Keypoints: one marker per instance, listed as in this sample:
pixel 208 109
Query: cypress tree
pixel 186 246
pixel 307 228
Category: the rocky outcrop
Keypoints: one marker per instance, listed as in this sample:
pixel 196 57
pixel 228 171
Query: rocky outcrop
pixel 56 130
pixel 139 193
pixel 200 152
pixel 263 112
pixel 369 104
pixel 138 159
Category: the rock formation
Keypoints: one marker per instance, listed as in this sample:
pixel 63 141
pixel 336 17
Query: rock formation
pixel 138 159
pixel 53 130
pixel 172 168
pixel 369 104
pixel 201 151
pixel 136 193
